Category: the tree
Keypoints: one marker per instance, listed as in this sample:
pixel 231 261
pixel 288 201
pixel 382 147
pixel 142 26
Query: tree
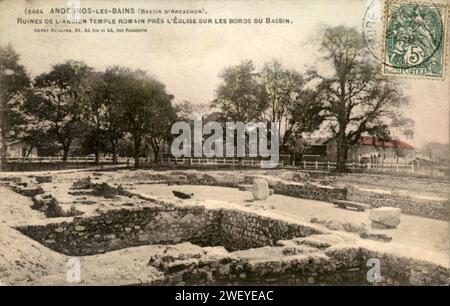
pixel 58 101
pixel 282 88
pixel 185 110
pixel 111 89
pixel 160 130
pixel 96 114
pixel 36 134
pixel 146 106
pixel 14 86
pixel 436 151
pixel 353 98
pixel 240 96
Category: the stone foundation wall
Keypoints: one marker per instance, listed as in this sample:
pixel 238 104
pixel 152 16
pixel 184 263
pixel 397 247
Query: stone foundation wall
pixel 343 266
pixel 163 224
pixel 127 228
pixel 296 270
pixel 244 230
pixel 400 270
pixel 428 208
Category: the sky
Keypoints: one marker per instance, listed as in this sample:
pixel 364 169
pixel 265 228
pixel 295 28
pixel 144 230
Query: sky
pixel 188 58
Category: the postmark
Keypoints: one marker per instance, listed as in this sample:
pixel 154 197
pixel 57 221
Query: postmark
pixel 372 27
pixel 414 39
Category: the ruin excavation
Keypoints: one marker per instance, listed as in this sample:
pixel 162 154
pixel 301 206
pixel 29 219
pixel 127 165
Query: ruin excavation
pixel 268 227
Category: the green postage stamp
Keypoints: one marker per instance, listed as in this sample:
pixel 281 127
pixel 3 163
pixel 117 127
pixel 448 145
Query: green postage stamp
pixel 415 39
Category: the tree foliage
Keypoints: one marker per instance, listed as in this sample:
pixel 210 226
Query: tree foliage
pixel 282 88
pixel 57 102
pixel 15 85
pixel 145 105
pixel 240 96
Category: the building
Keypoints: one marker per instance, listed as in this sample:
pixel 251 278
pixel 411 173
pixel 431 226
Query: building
pixel 19 148
pixel 315 149
pixel 370 149
pixel 366 149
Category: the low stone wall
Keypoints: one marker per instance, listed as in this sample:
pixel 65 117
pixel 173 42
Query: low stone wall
pixel 429 208
pixel 311 191
pixel 423 207
pixel 429 186
pixel 44 166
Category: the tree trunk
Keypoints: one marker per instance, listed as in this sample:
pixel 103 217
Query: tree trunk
pixel 3 136
pixel 65 147
pixel 155 152
pixel 65 153
pixel 137 151
pixel 341 157
pixel 97 156
pixel 3 126
pixel 114 151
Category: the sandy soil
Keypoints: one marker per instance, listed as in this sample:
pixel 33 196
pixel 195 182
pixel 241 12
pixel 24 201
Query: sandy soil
pixel 25 261
pixel 123 267
pixel 16 209
pixel 22 259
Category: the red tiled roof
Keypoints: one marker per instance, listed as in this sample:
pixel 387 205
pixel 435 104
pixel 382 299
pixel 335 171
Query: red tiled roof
pixel 371 141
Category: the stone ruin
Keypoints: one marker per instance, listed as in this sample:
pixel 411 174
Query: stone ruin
pixel 232 245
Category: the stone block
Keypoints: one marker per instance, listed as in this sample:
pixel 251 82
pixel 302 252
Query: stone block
pixel 385 217
pixel 260 189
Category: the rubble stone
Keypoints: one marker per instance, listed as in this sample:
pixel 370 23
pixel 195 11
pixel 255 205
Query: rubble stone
pixel 84 183
pixel 44 179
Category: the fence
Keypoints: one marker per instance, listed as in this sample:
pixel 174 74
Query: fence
pixel 305 165
pixel 359 167
pixel 243 162
pixel 248 162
